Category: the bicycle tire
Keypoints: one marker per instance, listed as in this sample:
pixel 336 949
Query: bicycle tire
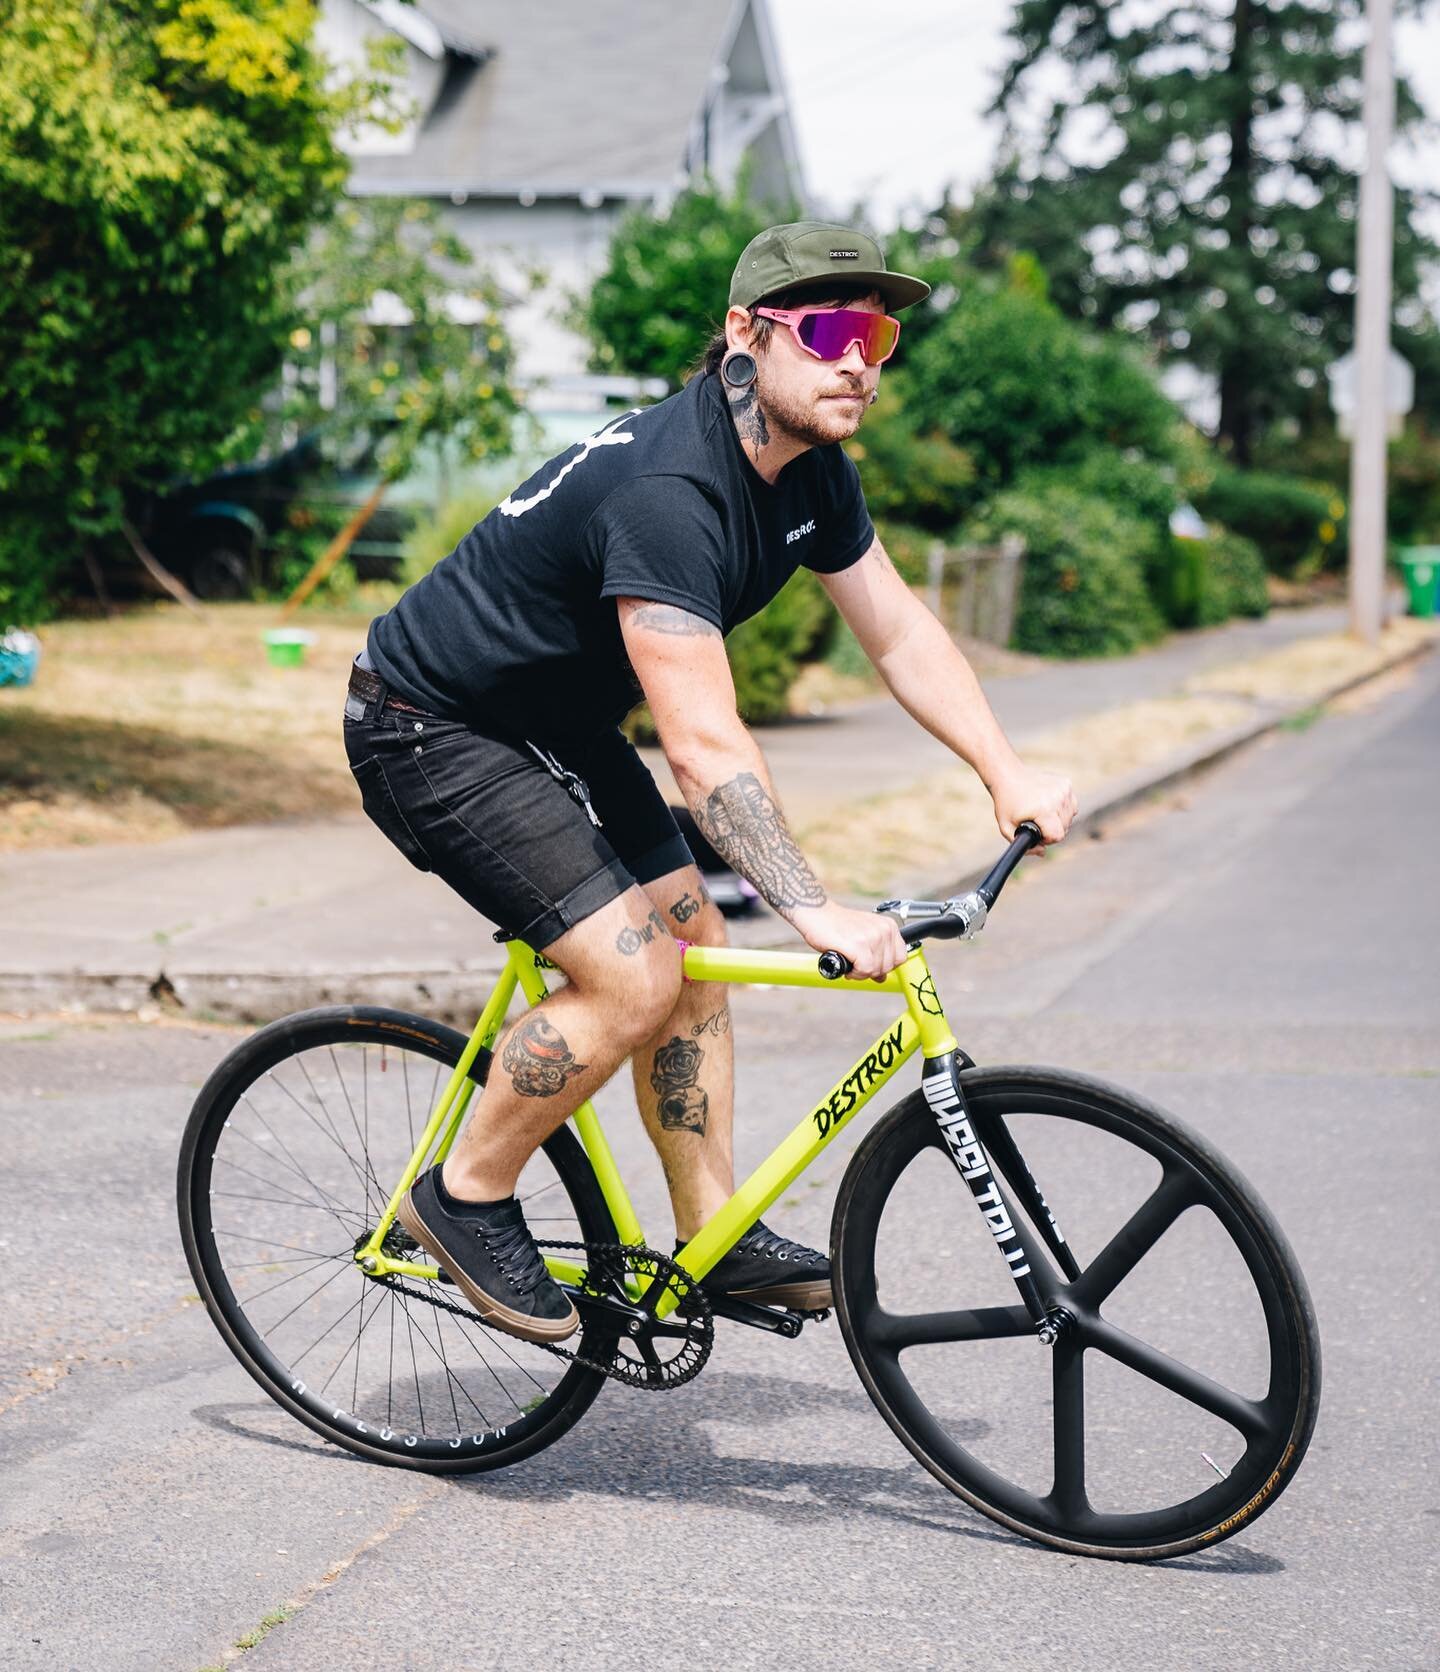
pixel 236 1124
pixel 1192 1174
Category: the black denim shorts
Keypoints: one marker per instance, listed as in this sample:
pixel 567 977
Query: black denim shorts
pixel 486 816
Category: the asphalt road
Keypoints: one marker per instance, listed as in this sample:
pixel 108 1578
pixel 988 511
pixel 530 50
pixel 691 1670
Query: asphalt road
pixel 1256 953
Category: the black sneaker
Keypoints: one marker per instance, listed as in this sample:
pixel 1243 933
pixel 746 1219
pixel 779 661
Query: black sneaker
pixel 771 1271
pixel 489 1252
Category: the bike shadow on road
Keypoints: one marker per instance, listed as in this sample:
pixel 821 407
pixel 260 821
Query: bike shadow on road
pixel 620 1449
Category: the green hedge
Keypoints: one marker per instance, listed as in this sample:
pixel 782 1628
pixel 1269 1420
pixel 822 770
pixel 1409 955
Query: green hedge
pixel 767 651
pixel 1083 589
pixel 1289 520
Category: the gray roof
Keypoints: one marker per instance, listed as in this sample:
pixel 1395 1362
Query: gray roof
pixel 575 94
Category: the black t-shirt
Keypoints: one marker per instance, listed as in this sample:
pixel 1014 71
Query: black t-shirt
pixel 517 628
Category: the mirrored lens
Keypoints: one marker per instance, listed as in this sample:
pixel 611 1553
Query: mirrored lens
pixel 830 334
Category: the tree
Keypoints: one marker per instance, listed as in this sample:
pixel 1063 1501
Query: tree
pixel 664 288
pixel 1219 219
pixel 159 162
pixel 403 344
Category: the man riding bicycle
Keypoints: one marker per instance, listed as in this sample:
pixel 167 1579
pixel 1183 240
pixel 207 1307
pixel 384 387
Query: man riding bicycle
pixel 481 726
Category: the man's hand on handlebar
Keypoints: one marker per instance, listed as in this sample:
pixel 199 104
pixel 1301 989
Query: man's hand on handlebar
pixel 1046 798
pixel 872 944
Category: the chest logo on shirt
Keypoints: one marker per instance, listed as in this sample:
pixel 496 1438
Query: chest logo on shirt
pixel 801 532
pixel 610 436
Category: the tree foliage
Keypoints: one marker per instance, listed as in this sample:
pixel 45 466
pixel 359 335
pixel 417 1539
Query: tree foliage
pixel 1211 209
pixel 159 161
pixel 665 286
pixel 404 341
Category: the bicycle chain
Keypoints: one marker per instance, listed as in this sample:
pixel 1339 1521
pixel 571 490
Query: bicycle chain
pixel 673 1373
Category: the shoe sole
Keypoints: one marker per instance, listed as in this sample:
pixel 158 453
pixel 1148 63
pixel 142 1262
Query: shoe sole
pixel 800 1297
pixel 493 1311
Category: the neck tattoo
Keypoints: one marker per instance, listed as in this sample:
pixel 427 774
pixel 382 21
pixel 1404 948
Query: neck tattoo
pixel 749 417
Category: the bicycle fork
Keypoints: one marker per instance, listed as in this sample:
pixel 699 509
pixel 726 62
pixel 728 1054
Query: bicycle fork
pixel 940 1082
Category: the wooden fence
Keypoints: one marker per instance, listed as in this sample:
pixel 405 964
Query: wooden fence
pixel 973 590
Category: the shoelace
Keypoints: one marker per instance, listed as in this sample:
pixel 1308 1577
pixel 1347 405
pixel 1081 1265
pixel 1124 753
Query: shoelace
pixel 513 1250
pixel 760 1239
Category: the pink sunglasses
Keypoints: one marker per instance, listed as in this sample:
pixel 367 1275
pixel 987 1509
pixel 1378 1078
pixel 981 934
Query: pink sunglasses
pixel 826 333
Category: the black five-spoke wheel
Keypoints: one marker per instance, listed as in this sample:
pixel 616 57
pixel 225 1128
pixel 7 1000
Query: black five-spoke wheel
pixel 1182 1390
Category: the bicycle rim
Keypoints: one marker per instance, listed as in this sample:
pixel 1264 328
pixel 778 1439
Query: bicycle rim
pixel 293 1147
pixel 1180 1398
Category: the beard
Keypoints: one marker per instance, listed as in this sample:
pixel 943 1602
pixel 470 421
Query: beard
pixel 816 423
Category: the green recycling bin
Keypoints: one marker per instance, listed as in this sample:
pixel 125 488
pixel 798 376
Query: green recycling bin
pixel 1421 566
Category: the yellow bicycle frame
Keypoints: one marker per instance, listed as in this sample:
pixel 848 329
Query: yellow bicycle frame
pixel 920 1025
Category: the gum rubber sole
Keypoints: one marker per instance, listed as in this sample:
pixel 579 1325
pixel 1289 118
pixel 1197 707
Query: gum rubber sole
pixel 798 1297
pixel 494 1312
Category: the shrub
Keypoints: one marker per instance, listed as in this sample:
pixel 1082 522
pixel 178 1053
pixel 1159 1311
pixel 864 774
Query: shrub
pixel 766 652
pixel 1142 490
pixel 432 538
pixel 1236 569
pixel 924 479
pixel 909 550
pixel 1289 520
pixel 1014 384
pixel 1082 590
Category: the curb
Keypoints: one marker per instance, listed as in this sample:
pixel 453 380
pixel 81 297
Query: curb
pixel 451 994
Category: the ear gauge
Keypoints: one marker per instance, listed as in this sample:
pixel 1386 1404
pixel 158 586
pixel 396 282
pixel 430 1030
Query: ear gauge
pixel 738 369
pixel 874 396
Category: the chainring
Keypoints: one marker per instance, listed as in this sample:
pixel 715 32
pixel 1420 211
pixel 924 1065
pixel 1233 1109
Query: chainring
pixel 659 1355
pixel 639 1358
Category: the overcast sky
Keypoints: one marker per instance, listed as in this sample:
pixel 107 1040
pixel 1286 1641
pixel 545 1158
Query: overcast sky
pixel 889 116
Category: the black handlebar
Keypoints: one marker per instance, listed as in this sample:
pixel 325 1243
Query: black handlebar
pixel 833 965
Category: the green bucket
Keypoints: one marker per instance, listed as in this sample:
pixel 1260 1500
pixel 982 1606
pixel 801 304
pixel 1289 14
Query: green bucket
pixel 286 646
pixel 1421 566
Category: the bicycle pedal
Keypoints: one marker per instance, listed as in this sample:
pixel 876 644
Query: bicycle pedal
pixel 819 1317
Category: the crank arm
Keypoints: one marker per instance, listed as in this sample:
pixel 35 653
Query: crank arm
pixel 623 1318
pixel 777 1319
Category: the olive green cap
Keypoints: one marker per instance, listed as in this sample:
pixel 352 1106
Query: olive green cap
pixel 803 251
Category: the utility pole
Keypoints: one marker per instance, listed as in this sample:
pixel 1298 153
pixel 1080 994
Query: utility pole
pixel 1372 333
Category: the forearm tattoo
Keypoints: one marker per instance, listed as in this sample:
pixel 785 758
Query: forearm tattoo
pixel 749 416
pixel 537 1059
pixel 668 618
pixel 745 827
pixel 629 941
pixel 683 1105
pixel 717 1024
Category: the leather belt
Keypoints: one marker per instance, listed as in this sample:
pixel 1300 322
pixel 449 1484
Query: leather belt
pixel 369 688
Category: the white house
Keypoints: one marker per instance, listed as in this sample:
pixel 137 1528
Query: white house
pixel 538 125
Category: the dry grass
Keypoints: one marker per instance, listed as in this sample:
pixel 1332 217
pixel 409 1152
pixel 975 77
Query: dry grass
pixel 1310 667
pixel 153 723
pixel 921 830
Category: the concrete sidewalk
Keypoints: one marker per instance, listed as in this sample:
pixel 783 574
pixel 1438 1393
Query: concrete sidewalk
pixel 250 922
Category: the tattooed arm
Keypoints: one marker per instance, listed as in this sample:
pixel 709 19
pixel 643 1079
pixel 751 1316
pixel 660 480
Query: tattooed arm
pixel 680 662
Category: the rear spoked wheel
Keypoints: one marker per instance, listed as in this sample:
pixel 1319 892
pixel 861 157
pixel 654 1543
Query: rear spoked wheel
pixel 291 1152
pixel 1183 1389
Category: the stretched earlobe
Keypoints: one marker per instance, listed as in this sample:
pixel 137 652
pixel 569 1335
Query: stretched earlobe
pixel 738 369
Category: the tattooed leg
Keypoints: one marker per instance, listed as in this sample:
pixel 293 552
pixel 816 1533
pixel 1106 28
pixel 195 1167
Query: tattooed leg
pixel 684 1072
pixel 555 1056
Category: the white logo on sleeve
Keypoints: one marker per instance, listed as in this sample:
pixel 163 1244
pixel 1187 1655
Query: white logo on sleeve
pixel 610 436
pixel 801 532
